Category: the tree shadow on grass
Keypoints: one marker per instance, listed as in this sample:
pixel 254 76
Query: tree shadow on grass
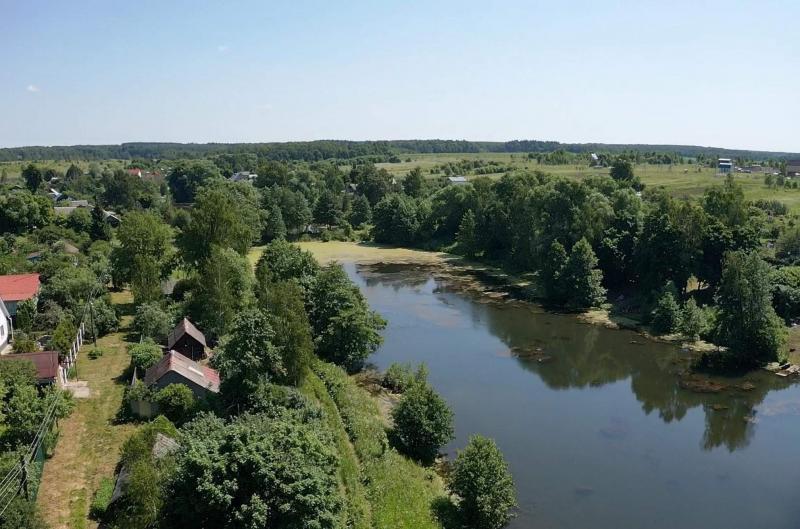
pixel 446 513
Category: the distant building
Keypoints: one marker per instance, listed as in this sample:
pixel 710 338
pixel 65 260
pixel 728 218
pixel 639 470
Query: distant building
pixel 187 339
pixel 45 362
pixel 793 168
pixel 15 288
pixel 112 218
pixel 456 180
pixel 243 176
pixel 134 172
pixel 54 194
pixel 6 327
pixel 724 165
pixel 174 368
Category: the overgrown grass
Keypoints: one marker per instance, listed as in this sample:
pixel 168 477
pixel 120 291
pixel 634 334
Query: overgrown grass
pixel 358 510
pixel 401 493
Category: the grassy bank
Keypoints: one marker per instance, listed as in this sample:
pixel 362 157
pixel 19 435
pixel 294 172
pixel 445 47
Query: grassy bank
pixel 393 492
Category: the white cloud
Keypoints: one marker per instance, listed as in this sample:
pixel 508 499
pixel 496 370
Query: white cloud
pixel 32 88
pixel 223 48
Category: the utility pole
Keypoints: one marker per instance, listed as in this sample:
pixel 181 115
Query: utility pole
pixel 24 477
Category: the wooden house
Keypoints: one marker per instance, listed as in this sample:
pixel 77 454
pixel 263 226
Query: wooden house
pixel 187 339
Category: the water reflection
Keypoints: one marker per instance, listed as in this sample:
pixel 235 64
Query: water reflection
pixel 568 354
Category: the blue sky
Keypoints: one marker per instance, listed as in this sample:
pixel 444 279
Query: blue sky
pixel 701 72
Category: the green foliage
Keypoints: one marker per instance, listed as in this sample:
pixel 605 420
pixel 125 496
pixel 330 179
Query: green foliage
pixel 100 229
pixel 747 323
pixel 248 357
pixel 284 305
pixel 253 472
pixel 693 322
pixel 481 479
pixel 372 182
pixel 274 227
pixel 176 402
pixel 23 343
pixel 666 315
pixel 361 212
pixel 145 355
pixel 186 178
pixel 467 236
pixel 786 292
pixel 346 331
pixel 33 177
pixel 293 206
pixel 95 353
pixel 152 321
pixel 22 514
pixel 423 422
pixel 221 289
pixel 328 209
pixel 226 215
pixel 102 498
pixel 22 211
pixel 64 336
pixel 144 255
pixel 399 377
pixel 26 312
pixel 414 183
pixel 395 220
pixel 622 170
pixel 575 281
pixel 282 261
pixel 102 317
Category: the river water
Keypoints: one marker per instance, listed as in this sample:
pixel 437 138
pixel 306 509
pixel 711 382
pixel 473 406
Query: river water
pixel 595 425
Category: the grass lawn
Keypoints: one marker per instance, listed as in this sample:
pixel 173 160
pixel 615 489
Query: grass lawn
pixel 88 447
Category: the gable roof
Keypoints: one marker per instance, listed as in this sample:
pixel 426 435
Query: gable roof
pixel 45 362
pixel 185 327
pixel 18 287
pixel 175 362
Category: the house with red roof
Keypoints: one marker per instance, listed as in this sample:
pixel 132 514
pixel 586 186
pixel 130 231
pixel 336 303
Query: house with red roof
pixel 15 288
pixel 174 368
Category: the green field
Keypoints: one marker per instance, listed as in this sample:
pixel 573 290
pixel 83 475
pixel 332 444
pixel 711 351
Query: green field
pixel 680 180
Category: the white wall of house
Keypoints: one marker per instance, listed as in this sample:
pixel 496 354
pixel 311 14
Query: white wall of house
pixel 5 329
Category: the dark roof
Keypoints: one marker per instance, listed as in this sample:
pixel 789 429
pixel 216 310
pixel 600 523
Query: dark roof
pixel 46 363
pixel 185 327
pixel 174 361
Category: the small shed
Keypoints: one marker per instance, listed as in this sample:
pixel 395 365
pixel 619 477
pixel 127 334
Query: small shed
pixel 187 339
pixel 174 368
pixel 45 362
pixel 456 180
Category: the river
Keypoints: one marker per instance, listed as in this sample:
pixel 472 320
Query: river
pixel 595 425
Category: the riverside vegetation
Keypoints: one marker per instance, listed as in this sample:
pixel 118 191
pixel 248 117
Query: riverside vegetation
pixel 287 333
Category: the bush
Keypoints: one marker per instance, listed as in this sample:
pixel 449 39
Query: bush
pixel 693 321
pixel 105 317
pixel 480 477
pixel 666 314
pixel 102 498
pixel 151 321
pixel 23 343
pixel 399 377
pixel 176 402
pixel 423 422
pixel 145 355
pixel 95 353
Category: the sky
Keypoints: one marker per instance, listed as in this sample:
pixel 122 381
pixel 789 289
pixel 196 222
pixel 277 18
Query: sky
pixel 712 73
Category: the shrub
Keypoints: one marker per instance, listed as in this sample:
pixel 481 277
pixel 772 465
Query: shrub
pixel 102 498
pixel 176 402
pixel 666 314
pixel 399 377
pixel 105 317
pixel 95 353
pixel 423 422
pixel 151 321
pixel 23 343
pixel 693 320
pixel 145 355
pixel 480 477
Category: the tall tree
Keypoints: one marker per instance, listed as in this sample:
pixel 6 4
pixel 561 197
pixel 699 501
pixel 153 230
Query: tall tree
pixel 583 277
pixel 186 178
pixel 361 212
pixel 414 183
pixel 33 177
pixel 328 209
pixel 144 255
pixel 467 236
pixel 224 215
pixel 747 322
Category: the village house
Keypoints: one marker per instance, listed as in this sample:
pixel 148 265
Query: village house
pixel 187 339
pixel 16 288
pixel 45 362
pixel 174 368
pixel 793 168
pixel 6 328
pixel 456 180
pixel 243 176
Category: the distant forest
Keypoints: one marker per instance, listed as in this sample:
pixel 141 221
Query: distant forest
pixel 341 149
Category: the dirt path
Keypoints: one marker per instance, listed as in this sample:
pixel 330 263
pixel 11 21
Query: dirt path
pixel 88 447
